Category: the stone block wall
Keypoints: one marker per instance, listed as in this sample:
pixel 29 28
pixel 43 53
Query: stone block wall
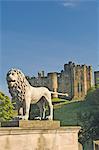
pixel 29 138
pixel 75 80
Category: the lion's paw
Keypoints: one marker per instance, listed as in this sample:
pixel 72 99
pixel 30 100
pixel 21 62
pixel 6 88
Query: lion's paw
pixel 37 118
pixel 49 117
pixel 22 117
pixel 19 117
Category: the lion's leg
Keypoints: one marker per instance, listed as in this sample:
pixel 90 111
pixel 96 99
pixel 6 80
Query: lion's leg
pixel 44 110
pixel 26 107
pixel 50 117
pixel 20 111
pixel 49 101
pixel 27 110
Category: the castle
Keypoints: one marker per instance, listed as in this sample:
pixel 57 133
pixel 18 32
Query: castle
pixel 75 80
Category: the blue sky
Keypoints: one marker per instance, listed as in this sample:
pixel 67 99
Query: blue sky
pixel 44 35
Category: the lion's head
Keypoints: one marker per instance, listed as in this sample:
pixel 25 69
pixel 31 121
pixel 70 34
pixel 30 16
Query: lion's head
pixel 17 84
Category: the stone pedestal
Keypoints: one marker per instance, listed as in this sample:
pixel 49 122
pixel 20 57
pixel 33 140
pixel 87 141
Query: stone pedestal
pixel 39 124
pixel 39 135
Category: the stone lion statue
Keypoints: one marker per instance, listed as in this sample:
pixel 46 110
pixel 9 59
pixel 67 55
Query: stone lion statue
pixel 25 94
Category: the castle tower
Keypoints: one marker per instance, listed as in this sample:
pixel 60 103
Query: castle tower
pixel 53 83
pixel 77 82
pixel 82 81
pixel 69 71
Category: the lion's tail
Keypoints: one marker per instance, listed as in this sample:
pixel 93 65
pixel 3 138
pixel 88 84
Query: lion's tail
pixel 65 94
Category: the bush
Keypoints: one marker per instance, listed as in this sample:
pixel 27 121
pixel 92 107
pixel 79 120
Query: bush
pixel 6 108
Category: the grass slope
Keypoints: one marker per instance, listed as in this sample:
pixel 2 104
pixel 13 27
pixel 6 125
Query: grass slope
pixel 68 113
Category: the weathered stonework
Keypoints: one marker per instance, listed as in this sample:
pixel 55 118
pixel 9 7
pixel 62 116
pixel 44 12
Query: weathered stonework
pixel 96 77
pixel 39 124
pixel 75 80
pixel 29 138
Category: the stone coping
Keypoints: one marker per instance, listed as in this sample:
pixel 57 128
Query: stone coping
pixel 35 124
pixel 18 130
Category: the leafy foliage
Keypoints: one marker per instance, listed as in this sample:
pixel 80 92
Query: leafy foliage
pixel 90 126
pixel 6 108
pixel 89 120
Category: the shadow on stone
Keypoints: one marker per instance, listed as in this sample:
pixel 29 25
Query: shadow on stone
pixel 10 124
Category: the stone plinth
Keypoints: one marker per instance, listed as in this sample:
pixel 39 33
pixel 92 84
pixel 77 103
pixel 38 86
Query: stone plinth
pixel 50 137
pixel 35 124
pixel 39 124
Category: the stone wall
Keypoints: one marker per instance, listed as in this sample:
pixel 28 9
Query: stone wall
pixel 96 75
pixel 75 80
pixel 39 138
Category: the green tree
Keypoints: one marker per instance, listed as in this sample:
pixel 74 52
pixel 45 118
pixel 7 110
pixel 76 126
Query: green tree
pixel 89 120
pixel 90 126
pixel 6 108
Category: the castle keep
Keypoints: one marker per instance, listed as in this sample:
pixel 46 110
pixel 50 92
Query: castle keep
pixel 75 80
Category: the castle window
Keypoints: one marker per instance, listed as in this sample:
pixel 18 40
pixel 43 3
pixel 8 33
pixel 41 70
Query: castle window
pixel 79 87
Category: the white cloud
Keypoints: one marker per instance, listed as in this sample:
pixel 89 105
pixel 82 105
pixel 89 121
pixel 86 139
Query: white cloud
pixel 68 4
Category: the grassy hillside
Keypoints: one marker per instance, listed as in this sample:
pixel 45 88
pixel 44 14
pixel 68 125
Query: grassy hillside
pixel 68 112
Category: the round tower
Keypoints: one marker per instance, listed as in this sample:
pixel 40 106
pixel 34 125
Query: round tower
pixel 53 83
